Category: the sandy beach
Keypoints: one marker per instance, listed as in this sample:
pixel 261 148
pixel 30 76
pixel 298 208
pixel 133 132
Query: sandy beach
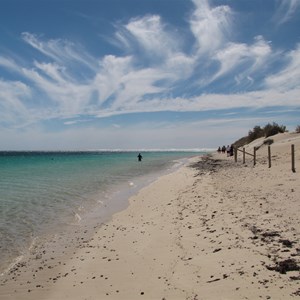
pixel 214 229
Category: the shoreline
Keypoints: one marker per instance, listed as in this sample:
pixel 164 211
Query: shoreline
pixel 48 276
pixel 63 244
pixel 82 222
pixel 217 230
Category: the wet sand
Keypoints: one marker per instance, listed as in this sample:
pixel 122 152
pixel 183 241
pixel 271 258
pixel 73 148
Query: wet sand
pixel 213 229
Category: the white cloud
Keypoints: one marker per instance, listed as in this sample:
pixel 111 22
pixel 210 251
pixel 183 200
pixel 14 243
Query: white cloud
pixel 256 99
pixel 250 57
pixel 12 109
pixel 109 77
pixel 136 85
pixel 60 50
pixel 9 64
pixel 210 26
pixel 150 34
pixel 289 77
pixel 70 98
pixel 160 46
pixel 286 10
pixel 120 86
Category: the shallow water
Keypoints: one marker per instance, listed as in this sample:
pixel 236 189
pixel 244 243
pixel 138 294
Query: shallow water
pixel 45 192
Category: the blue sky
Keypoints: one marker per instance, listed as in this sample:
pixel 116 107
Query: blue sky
pixel 135 74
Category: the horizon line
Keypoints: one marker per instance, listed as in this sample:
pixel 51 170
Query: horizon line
pixel 118 150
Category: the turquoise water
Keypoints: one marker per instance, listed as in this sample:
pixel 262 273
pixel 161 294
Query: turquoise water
pixel 43 192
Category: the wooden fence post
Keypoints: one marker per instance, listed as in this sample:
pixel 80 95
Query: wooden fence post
pixel 269 155
pixel 244 155
pixel 293 157
pixel 235 154
pixel 254 156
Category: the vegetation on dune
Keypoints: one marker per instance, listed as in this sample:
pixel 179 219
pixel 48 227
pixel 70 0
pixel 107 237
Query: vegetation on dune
pixel 258 132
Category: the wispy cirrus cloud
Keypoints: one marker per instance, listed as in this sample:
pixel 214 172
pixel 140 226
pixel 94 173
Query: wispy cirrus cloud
pixel 286 10
pixel 66 97
pixel 8 64
pixel 211 27
pixel 151 35
pixel 148 37
pixel 13 95
pixel 247 58
pixel 60 50
pixel 289 77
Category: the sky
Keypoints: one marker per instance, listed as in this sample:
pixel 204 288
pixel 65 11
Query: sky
pixel 145 74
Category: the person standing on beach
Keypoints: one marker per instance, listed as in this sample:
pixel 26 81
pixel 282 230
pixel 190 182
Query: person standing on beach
pixel 231 150
pixel 140 157
pixel 228 150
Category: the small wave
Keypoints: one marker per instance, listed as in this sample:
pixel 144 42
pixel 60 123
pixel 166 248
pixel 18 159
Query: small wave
pixel 77 217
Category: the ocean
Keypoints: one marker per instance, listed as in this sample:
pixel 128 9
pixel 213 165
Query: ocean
pixel 45 193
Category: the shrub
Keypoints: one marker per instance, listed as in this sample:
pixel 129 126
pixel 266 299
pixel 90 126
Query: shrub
pixel 266 131
pixel 272 129
pixel 268 142
pixel 241 142
pixel 256 133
